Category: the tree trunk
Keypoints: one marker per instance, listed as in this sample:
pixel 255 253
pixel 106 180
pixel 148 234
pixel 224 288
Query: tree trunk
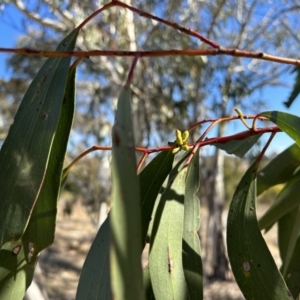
pixel 216 259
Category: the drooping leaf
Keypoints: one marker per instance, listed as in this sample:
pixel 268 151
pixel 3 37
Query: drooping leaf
pixel 174 172
pixel 288 123
pixel 290 252
pixel 147 284
pixel 239 147
pixel 252 263
pixel 280 169
pixel 95 271
pixel 165 259
pixel 41 227
pixel 287 200
pixel 285 228
pixel 151 180
pixel 191 250
pixel 15 273
pixel 296 89
pixel 25 152
pixel 125 216
pixel 94 282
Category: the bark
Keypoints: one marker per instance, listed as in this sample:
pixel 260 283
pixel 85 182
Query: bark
pixel 216 259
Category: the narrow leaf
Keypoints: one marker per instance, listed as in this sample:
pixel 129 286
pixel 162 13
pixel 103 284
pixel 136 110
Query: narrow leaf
pixel 296 89
pixel 165 259
pixel 95 271
pixel 147 284
pixel 285 228
pixel 15 274
pixel 125 220
pixel 25 152
pixel 191 251
pixel 151 180
pixel 239 147
pixel 288 123
pixel 287 200
pixel 41 227
pixel 94 282
pixel 280 169
pixel 252 264
pixel 292 243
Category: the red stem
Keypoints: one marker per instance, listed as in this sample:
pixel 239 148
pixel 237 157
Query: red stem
pixel 130 74
pixel 210 141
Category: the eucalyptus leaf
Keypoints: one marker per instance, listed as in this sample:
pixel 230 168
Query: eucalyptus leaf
pixel 191 250
pixel 165 259
pixel 31 161
pixel 252 263
pixel 125 216
pixel 239 147
pixel 280 169
pixel 25 152
pixel 288 123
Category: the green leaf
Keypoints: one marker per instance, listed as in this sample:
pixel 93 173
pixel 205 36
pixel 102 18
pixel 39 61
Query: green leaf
pixel 239 147
pixel 41 227
pixel 288 199
pixel 252 263
pixel 95 272
pixel 280 169
pixel 151 180
pixel 165 259
pixel 25 153
pixel 15 274
pixel 191 251
pixel 147 284
pixel 125 217
pixel 292 243
pixel 285 228
pixel 288 123
pixel 94 282
pixel 296 89
pixel 31 138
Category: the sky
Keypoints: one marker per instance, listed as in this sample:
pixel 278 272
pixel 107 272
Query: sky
pixel 11 28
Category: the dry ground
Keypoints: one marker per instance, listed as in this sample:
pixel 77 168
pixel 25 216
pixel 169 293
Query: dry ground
pixel 62 262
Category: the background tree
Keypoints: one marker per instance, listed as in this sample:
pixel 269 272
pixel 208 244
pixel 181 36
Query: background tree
pixel 198 90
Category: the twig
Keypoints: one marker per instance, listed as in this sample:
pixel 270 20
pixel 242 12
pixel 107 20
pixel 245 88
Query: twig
pixel 155 53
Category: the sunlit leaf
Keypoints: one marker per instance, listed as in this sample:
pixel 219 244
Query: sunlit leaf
pixel 95 271
pixel 252 263
pixel 15 273
pixel 165 259
pixel 147 284
pixel 191 251
pixel 125 217
pixel 288 123
pixel 151 180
